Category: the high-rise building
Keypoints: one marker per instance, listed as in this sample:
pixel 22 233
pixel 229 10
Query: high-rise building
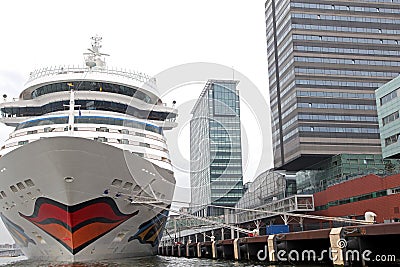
pixel 215 149
pixel 325 60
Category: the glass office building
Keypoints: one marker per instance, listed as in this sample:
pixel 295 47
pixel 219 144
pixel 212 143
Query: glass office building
pixel 325 60
pixel 215 149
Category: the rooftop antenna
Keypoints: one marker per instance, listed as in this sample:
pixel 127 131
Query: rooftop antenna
pixel 94 58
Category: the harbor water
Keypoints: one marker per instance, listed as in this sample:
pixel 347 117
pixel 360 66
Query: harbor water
pixel 155 261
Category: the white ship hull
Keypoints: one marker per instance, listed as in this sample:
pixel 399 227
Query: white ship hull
pixel 70 199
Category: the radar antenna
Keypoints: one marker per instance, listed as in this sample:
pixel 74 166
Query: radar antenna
pixel 94 58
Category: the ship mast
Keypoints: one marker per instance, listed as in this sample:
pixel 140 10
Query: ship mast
pixel 94 58
pixel 71 112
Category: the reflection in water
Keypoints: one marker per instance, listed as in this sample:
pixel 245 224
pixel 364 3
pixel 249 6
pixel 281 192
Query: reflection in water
pixel 155 261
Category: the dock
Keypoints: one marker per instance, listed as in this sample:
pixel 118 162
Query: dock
pixel 364 245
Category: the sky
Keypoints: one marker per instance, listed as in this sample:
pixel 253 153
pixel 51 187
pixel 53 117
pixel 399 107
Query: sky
pixel 181 43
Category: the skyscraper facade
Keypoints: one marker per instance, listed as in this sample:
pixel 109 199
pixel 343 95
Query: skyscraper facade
pixel 325 60
pixel 215 149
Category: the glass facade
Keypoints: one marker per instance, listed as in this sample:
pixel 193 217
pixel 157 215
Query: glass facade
pixel 340 168
pixel 325 61
pixel 215 149
pixel 267 187
pixel 91 86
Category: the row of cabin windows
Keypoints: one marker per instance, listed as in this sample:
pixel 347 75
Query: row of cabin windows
pixel 91 86
pixel 100 129
pixel 105 139
pixel 84 105
pixel 92 120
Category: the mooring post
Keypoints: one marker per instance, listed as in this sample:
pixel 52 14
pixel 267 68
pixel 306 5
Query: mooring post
pixel 271 248
pixel 214 249
pixel 338 244
pixel 236 249
pixel 187 247
pixel 198 245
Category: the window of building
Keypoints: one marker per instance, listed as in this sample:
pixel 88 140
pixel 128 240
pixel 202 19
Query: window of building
pixel 389 97
pixel 392 117
pixel 391 140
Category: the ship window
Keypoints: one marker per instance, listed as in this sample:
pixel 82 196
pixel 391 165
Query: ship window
pixel 48 129
pixel 124 131
pixel 138 154
pixel 13 188
pixel 144 144
pixel 20 186
pixel 100 139
pixel 123 141
pixel 23 142
pixel 136 188
pixel 102 129
pixel 140 134
pixel 127 185
pixel 32 132
pixel 29 183
pixel 116 182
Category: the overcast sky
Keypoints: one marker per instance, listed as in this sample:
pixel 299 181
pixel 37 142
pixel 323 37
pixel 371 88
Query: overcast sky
pixel 155 37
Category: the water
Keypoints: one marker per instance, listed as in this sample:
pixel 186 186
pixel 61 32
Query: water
pixel 155 261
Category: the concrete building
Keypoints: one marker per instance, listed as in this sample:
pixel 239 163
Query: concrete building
pixel 355 197
pixel 215 149
pixel 388 104
pixel 325 60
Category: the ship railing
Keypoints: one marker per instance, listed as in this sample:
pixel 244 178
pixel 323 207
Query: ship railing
pixel 67 69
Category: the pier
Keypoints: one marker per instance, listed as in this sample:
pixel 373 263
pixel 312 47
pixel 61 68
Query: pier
pixel 342 246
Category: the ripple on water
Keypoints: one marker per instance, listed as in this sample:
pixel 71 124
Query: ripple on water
pixel 154 261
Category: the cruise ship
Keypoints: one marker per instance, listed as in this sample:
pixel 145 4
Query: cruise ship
pixel 86 173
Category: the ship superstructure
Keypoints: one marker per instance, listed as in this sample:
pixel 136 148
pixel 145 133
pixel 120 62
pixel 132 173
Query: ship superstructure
pixel 87 153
